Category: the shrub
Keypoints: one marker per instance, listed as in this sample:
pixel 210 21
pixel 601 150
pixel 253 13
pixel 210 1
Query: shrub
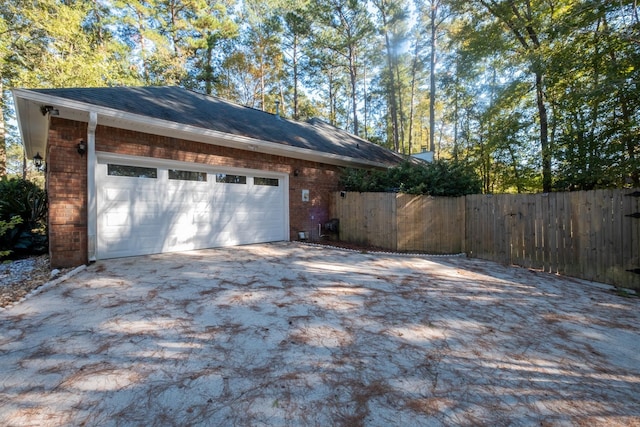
pixel 8 226
pixel 25 200
pixel 440 178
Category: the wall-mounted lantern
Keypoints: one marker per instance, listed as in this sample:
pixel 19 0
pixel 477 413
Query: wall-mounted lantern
pixel 49 109
pixel 37 161
pixel 82 147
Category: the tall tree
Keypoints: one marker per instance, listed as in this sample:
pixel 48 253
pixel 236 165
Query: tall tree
pixel 211 28
pixel 52 44
pixel 296 29
pixel 529 22
pixel 262 32
pixel 434 24
pixel 392 17
pixel 346 28
pixel 415 70
pixel 595 100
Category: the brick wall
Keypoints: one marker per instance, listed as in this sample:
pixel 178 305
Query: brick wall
pixel 66 186
pixel 67 180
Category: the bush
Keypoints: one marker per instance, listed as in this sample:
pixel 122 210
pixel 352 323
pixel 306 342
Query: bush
pixel 8 226
pixel 440 178
pixel 25 200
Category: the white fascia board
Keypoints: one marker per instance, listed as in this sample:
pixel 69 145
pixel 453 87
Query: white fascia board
pixel 32 125
pixel 79 111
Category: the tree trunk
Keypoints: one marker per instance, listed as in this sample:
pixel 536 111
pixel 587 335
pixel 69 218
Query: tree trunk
pixel 332 95
pixel 24 165
pixel 401 119
pixel 146 75
pixel 432 77
pixel 3 138
pixel 353 76
pixel 208 69
pixel 414 70
pixel 262 100
pixel 544 133
pixel 456 117
pixel 296 115
pixel 366 105
pixel 391 92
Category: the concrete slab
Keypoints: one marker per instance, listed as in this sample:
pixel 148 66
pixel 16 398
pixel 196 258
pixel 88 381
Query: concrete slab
pixel 290 335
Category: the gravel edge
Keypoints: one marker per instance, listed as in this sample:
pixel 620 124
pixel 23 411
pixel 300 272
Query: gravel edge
pixel 33 282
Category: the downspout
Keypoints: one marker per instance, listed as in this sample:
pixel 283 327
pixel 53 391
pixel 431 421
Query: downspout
pixel 92 208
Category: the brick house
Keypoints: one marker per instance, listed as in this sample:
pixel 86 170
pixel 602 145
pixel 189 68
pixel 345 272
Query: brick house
pixel 142 170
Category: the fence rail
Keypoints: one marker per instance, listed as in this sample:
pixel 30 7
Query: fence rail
pixel 592 235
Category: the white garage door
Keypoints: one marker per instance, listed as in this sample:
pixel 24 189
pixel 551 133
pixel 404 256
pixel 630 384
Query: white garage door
pixel 146 208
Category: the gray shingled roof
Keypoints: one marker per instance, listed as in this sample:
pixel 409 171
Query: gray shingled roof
pixel 182 106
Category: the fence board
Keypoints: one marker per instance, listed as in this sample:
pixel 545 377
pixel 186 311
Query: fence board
pixel 562 231
pixel 538 233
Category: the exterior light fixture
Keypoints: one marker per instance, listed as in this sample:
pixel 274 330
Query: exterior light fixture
pixel 82 147
pixel 37 161
pixel 296 172
pixel 49 109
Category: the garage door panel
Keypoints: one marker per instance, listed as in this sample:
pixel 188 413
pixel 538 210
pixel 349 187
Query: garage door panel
pixel 200 197
pixel 231 190
pixel 183 242
pixel 116 194
pixel 141 215
pixel 143 194
pixel 117 219
pixel 202 219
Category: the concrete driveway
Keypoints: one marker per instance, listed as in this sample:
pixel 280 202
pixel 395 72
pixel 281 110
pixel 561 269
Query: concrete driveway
pixel 295 335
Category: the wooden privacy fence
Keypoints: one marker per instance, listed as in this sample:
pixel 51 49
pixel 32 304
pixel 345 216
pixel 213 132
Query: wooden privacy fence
pixel 402 222
pixel 592 235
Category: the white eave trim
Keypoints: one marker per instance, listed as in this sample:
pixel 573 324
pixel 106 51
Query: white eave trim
pixel 119 119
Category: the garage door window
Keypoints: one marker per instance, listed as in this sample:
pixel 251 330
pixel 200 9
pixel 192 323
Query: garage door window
pixel 131 171
pixel 272 182
pixel 187 175
pixel 231 179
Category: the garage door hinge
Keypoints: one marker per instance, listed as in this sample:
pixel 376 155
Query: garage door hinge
pixel 634 194
pixel 634 270
pixel 634 215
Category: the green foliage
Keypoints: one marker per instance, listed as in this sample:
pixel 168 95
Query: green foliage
pixel 518 87
pixel 24 200
pixel 6 226
pixel 440 178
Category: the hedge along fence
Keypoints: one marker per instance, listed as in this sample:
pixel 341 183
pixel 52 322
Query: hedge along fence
pixel 592 235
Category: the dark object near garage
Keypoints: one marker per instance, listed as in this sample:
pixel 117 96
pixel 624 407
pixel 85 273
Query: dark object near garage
pixel 332 225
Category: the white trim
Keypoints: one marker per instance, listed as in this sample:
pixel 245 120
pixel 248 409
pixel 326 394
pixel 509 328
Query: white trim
pixel 106 157
pixel 92 205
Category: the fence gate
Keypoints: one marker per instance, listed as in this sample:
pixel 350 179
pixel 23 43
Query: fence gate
pixel 634 217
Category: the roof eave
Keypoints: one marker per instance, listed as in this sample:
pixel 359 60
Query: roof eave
pixel 33 129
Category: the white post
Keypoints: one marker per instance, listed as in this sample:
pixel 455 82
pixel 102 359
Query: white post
pixel 92 207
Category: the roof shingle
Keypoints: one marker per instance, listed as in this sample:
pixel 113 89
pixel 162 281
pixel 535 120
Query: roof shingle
pixel 186 107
